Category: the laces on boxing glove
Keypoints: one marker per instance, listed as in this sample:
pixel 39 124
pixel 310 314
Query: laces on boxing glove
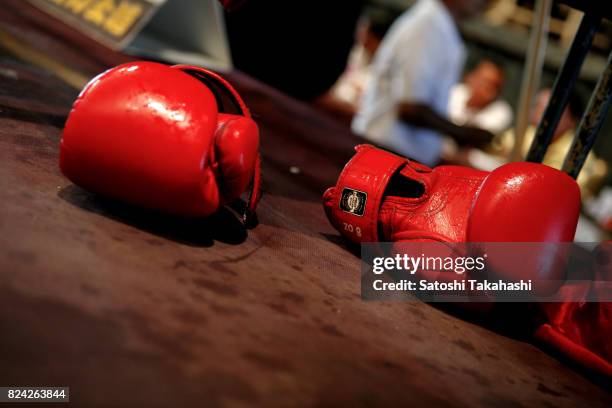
pixel 215 82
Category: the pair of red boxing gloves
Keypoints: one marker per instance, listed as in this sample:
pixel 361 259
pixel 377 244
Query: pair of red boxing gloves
pixel 159 137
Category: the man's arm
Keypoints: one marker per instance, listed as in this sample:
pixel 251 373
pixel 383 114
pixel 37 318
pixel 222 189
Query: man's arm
pixel 421 115
pixel 342 110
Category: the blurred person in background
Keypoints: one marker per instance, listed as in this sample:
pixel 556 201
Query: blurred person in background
pixel 600 209
pixel 404 106
pixel 475 101
pixel 342 100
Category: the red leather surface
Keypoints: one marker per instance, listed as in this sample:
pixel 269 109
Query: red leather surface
pixel 236 147
pixel 440 214
pixel 527 202
pixel 151 135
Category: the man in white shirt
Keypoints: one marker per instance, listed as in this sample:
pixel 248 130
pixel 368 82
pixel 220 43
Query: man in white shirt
pixel 476 101
pixel 404 106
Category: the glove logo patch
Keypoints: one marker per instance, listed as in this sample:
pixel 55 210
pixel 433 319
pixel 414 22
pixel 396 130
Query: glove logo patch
pixel 353 201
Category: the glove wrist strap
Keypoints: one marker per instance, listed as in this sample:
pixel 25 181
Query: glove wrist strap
pixel 359 192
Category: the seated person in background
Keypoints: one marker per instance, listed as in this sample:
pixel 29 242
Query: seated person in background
pixel 475 101
pixel 404 105
pixel 342 100
pixel 594 170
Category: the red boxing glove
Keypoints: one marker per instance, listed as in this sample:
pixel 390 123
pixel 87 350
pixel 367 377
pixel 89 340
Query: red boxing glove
pixel 152 135
pixel 383 197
